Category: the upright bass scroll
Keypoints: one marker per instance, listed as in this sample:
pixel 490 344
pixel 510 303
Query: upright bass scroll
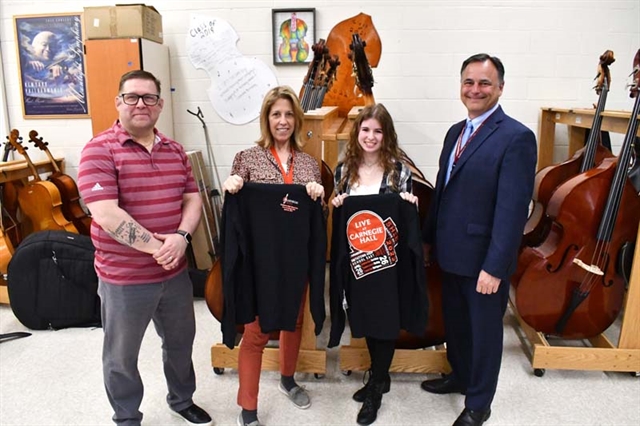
pixel 549 178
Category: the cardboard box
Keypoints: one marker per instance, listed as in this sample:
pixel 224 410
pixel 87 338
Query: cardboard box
pixel 123 21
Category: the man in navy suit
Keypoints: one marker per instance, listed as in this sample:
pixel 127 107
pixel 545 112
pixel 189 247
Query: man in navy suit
pixel 474 229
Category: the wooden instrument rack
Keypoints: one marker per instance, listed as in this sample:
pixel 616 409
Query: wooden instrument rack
pixel 578 121
pixel 603 355
pixel 322 132
pixel 356 357
pixel 18 171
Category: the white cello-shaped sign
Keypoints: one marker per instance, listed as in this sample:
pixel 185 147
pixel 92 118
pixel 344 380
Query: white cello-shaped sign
pixel 238 83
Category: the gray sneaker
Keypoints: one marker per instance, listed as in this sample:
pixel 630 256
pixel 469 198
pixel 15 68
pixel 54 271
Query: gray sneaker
pixel 242 423
pixel 298 395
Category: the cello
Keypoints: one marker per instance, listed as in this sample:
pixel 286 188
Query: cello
pixel 549 178
pixel 71 207
pixel 572 287
pixel 39 200
pixel 9 205
pixel 6 252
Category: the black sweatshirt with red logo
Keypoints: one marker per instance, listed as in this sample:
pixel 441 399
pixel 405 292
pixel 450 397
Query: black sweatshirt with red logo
pixel 377 268
pixel 273 242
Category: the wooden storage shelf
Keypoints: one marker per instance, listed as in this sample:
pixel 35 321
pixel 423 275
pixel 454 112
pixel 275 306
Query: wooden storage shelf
pixel 18 170
pixel 578 121
pixel 4 293
pixel 337 135
pixel 355 357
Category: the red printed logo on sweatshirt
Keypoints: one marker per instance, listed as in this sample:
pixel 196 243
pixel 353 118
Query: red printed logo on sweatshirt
pixel 289 205
pixel 372 243
pixel 366 231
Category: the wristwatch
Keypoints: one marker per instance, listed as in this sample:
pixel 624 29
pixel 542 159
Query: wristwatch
pixel 185 234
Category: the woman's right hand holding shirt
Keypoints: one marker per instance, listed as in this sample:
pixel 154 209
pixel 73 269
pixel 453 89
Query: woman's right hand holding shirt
pixel 339 199
pixel 233 184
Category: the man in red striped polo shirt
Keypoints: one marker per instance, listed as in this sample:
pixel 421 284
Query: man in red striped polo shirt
pixel 138 185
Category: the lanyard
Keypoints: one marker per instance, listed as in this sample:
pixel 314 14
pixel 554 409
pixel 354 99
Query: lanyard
pixel 287 176
pixel 459 148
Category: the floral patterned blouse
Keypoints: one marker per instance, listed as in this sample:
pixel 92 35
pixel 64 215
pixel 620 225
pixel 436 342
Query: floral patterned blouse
pixel 258 165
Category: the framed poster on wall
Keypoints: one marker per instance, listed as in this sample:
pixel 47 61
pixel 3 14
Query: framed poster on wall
pixel 51 65
pixel 294 33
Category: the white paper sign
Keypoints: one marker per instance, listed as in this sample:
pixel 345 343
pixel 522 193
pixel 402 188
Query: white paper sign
pixel 238 83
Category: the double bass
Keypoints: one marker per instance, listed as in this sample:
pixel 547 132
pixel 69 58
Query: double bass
pixel 310 86
pixel 549 178
pixel 572 287
pixel 345 92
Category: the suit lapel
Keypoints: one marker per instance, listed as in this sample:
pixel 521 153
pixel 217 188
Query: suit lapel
pixel 450 143
pixel 489 126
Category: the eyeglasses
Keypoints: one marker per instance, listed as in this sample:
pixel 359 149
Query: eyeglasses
pixel 132 99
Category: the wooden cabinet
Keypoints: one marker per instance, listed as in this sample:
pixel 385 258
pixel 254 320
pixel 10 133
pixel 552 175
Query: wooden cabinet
pixel 107 60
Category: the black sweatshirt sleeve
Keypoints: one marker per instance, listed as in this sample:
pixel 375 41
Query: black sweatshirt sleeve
pixel 336 279
pixel 317 265
pixel 230 257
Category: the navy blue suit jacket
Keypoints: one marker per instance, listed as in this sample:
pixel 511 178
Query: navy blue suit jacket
pixel 475 222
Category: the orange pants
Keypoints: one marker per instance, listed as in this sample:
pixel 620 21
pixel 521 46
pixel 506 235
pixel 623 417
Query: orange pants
pixel 250 357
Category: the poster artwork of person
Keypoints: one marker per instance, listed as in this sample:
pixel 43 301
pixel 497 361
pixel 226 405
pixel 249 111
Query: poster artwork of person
pixel 51 65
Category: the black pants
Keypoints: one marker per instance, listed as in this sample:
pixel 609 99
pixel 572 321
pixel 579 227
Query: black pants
pixel 381 353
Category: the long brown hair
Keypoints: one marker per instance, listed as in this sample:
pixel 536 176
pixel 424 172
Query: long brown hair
pixel 280 92
pixel 389 151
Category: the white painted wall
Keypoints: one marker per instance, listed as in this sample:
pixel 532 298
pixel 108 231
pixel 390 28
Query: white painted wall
pixel 550 50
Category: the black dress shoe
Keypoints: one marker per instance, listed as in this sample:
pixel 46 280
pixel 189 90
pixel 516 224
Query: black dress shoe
pixel 360 394
pixel 372 401
pixel 472 418
pixel 194 415
pixel 442 386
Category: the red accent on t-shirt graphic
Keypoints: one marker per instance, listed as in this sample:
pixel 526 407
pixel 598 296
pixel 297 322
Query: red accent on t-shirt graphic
pixel 372 243
pixel 365 231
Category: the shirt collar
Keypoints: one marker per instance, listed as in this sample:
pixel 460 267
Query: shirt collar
pixel 476 122
pixel 123 136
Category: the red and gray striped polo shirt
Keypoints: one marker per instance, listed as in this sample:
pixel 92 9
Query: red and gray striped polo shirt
pixel 148 185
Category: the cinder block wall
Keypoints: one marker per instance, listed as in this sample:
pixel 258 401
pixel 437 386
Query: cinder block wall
pixel 550 50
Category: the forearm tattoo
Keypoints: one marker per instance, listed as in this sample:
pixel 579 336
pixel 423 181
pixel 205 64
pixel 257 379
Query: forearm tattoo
pixel 130 232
